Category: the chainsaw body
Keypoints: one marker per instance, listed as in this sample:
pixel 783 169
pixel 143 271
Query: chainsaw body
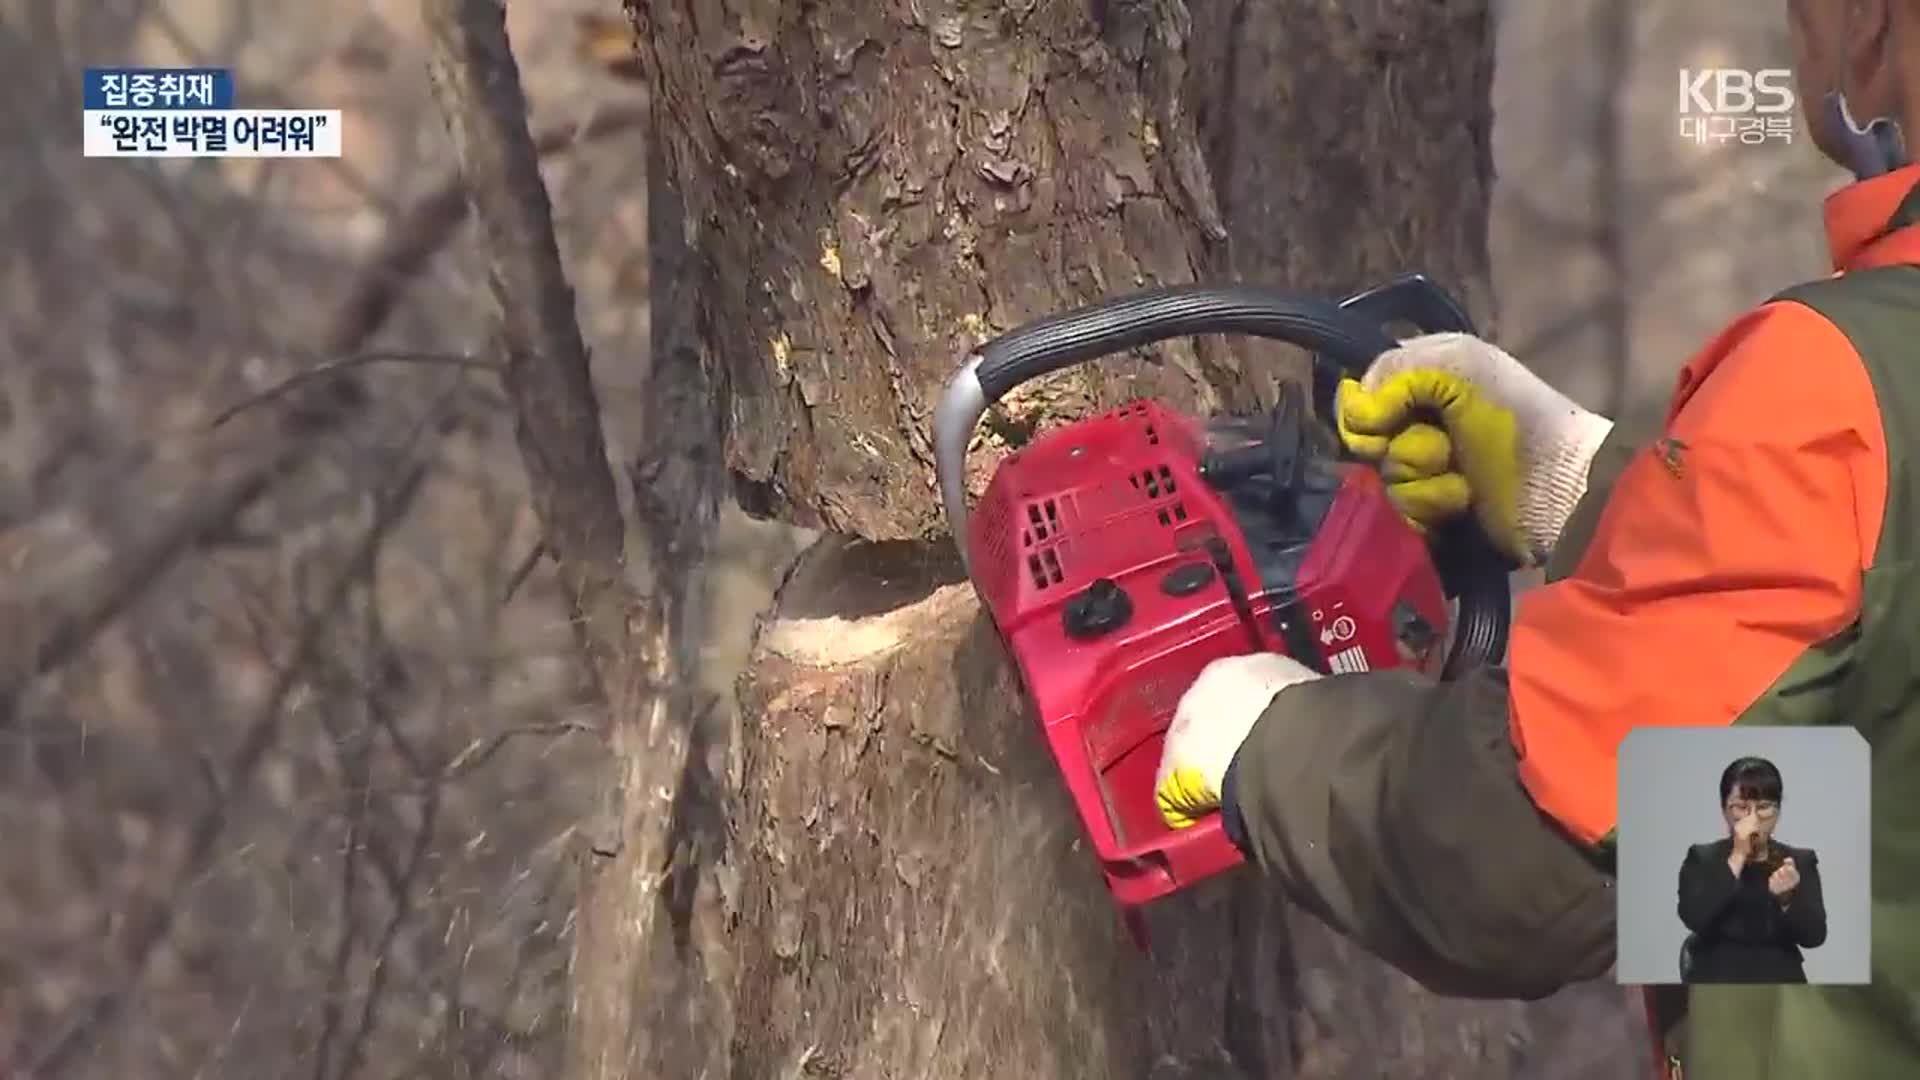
pixel 1120 554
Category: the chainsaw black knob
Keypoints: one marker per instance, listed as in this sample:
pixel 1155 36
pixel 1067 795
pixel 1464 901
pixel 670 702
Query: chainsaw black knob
pixel 1187 579
pixel 1097 610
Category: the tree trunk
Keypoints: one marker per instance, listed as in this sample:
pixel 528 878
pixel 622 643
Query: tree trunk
pixel 872 189
pixel 631 609
pixel 881 186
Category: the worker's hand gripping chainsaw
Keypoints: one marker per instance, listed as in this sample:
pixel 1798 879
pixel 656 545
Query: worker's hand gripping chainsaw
pixel 1120 554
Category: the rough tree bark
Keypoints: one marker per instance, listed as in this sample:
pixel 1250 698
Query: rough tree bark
pixel 880 186
pixel 872 189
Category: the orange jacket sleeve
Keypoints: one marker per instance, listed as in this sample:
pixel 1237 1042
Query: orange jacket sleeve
pixel 1728 549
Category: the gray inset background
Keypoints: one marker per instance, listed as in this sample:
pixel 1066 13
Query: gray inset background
pixel 1669 800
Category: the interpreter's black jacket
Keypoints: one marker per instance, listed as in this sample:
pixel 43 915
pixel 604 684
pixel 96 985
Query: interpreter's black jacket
pixel 1742 933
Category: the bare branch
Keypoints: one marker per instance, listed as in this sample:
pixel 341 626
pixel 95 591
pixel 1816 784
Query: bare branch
pixel 417 859
pixel 148 925
pixel 480 751
pixel 426 228
pixel 39 631
pixel 524 570
pixel 44 624
pixel 352 752
pixel 343 365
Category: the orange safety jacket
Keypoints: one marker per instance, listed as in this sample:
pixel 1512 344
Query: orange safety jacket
pixel 1727 551
pixel 1752 566
pixel 1758 564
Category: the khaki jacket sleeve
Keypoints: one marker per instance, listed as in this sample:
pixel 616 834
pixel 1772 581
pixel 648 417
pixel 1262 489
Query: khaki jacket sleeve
pixel 1402 823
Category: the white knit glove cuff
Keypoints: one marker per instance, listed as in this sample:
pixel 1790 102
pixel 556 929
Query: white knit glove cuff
pixel 1218 711
pixel 1557 446
pixel 1558 438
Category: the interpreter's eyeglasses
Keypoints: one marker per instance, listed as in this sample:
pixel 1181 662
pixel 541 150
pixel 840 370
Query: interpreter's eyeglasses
pixel 1763 809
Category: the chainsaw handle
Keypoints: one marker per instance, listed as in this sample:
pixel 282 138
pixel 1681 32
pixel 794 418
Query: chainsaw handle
pixel 1126 322
pixel 1473 571
pixel 1142 318
pixel 1414 299
pixel 1344 338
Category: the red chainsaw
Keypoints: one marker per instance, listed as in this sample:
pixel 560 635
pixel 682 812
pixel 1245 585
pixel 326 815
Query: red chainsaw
pixel 1119 554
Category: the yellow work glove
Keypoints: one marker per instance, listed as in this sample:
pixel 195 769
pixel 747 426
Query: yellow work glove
pixel 1456 423
pixel 1209 724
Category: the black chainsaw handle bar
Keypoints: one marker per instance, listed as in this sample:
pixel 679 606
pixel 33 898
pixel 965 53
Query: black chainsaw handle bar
pixel 1344 337
pixel 1126 322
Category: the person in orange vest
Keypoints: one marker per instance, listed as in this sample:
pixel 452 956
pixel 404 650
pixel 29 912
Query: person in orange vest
pixel 1756 562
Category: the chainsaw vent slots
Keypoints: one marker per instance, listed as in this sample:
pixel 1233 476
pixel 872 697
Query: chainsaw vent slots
pixel 1044 565
pixel 1156 483
pixel 1044 524
pixel 996 538
pixel 1138 410
pixel 1043 520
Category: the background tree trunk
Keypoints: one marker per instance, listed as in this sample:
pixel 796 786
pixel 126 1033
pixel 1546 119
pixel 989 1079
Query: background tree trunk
pixel 627 588
pixel 872 189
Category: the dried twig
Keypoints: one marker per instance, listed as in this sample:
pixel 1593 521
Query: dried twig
pixel 354 1054
pixel 39 633
pixel 427 227
pixel 479 751
pixel 524 570
pixel 342 365
pixel 353 762
pixel 41 627
pixel 148 925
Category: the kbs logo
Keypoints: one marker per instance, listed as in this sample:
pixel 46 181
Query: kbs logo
pixel 1736 91
pixel 1721 105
